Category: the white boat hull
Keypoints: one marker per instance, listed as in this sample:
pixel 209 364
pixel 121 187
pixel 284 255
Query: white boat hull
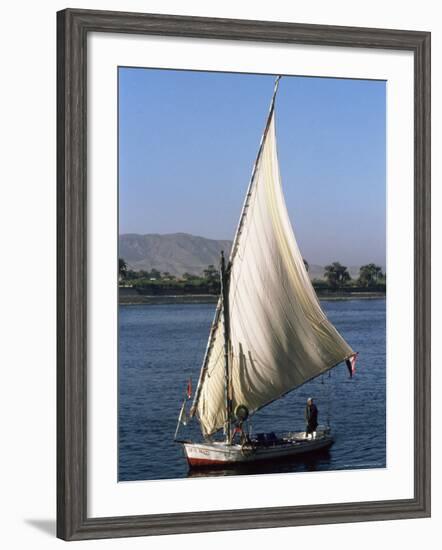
pixel 223 454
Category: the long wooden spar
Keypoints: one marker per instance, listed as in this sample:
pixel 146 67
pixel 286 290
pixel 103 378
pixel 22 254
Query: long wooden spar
pixel 233 251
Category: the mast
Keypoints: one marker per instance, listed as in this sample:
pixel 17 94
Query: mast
pixel 224 277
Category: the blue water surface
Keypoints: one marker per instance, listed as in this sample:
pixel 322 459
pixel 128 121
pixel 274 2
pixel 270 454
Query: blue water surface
pixel 161 347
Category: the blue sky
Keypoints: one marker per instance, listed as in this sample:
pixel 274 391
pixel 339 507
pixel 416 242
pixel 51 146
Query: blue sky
pixel 188 140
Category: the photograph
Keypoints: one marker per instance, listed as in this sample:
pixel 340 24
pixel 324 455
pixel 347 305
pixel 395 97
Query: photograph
pixel 226 342
pixel 251 274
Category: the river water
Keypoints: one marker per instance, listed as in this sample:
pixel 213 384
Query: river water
pixel 161 347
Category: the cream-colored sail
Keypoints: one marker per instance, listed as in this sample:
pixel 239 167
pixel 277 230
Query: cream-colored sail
pixel 279 336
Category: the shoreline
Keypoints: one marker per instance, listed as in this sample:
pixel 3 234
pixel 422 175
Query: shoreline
pixel 143 299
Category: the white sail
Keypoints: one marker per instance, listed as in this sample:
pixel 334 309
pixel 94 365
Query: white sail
pixel 279 335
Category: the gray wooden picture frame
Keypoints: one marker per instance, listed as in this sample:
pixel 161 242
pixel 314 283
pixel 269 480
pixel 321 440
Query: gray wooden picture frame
pixel 73 27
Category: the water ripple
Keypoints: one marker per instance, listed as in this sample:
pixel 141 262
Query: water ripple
pixel 161 347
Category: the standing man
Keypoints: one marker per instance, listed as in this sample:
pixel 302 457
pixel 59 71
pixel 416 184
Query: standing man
pixel 311 419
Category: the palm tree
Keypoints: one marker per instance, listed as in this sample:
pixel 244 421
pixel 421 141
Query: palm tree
pixel 370 275
pixel 122 268
pixel 336 274
pixel 211 274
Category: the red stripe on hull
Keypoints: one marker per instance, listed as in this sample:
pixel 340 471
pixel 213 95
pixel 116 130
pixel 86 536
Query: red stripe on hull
pixel 205 462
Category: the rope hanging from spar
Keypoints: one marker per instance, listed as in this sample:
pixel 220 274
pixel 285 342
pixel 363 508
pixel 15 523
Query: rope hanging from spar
pixel 329 398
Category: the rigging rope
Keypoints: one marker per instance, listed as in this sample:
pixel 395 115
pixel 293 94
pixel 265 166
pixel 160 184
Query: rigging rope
pixel 328 398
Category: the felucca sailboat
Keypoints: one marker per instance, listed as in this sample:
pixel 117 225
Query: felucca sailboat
pixel 269 334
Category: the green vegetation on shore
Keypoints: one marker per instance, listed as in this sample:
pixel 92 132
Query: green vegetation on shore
pixel 336 281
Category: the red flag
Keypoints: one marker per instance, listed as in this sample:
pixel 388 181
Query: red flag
pixel 351 364
pixel 189 388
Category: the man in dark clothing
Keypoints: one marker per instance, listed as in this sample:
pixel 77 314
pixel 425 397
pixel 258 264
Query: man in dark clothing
pixel 311 418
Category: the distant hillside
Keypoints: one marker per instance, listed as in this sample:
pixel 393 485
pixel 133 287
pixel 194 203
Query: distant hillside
pixel 176 253
pixel 180 253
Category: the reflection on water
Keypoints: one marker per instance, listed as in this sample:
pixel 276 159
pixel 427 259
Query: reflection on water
pixel 161 347
pixel 309 462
